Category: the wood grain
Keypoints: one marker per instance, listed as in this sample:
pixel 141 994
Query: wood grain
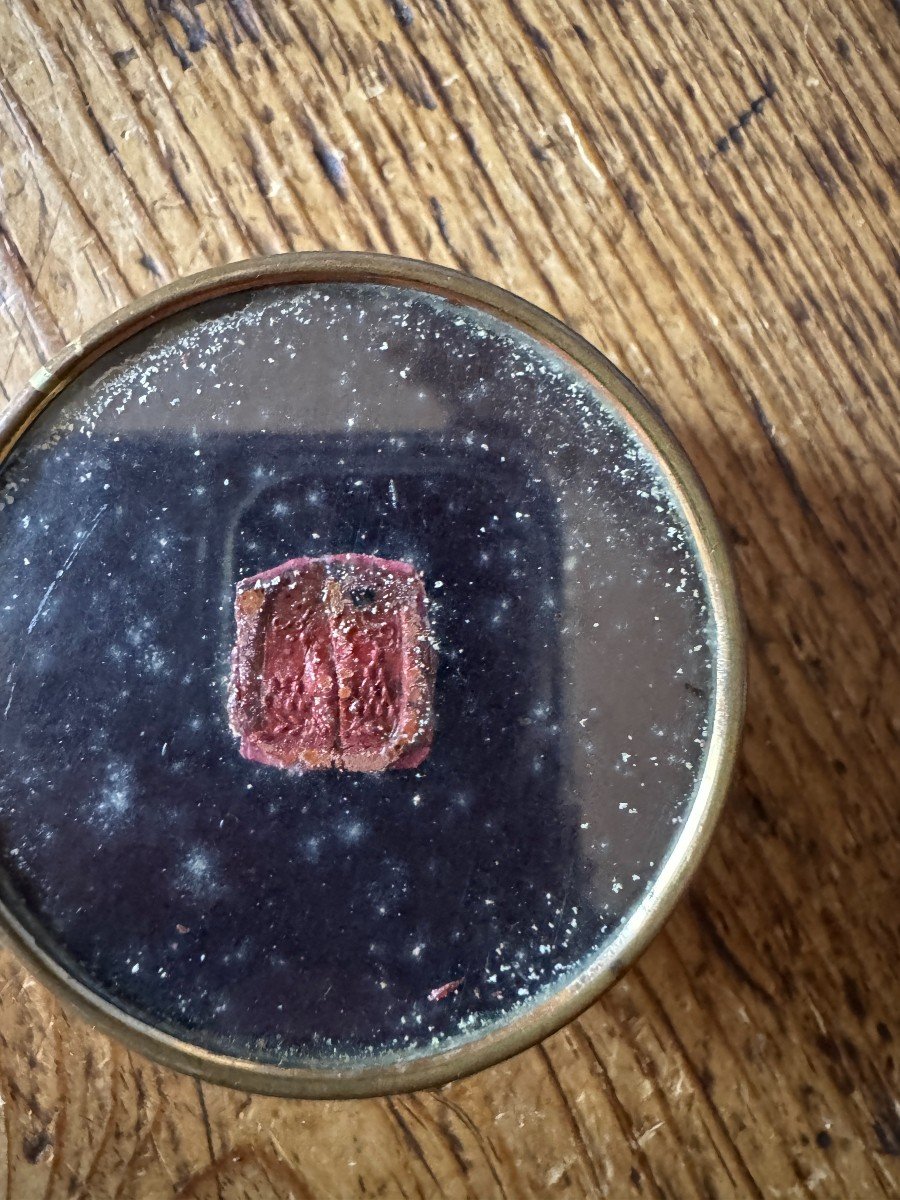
pixel 709 192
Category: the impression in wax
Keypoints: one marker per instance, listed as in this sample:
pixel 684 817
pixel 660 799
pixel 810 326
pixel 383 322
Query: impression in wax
pixel 332 665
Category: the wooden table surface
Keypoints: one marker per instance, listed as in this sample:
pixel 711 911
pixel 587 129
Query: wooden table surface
pixel 708 190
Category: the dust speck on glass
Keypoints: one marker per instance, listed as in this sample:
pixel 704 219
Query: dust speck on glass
pixel 310 918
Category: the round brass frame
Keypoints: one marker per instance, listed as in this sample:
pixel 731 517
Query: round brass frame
pixel 412 1071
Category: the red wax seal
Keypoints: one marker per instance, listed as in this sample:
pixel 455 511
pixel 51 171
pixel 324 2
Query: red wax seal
pixel 332 665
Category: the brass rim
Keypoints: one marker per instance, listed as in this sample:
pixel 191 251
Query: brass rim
pixel 547 1015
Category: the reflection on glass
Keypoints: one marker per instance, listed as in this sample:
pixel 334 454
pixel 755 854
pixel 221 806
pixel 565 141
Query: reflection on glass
pixel 305 917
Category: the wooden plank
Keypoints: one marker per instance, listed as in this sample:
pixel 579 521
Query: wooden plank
pixel 708 191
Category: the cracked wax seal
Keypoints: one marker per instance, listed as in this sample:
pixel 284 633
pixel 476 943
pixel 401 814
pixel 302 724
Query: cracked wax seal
pixel 333 665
